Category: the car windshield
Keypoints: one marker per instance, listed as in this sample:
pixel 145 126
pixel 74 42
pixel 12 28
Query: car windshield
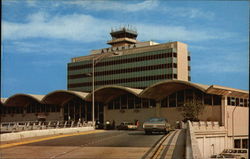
pixel 156 120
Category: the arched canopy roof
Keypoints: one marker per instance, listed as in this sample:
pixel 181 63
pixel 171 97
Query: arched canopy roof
pixel 23 99
pixel 59 97
pixel 162 89
pixel 105 94
pixel 221 90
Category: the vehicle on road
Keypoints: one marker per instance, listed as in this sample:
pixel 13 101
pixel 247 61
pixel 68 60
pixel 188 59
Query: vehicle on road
pixel 222 156
pixel 127 126
pixel 156 125
pixel 99 125
pixel 108 125
pixel 237 153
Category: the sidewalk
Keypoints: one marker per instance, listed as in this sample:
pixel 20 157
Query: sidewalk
pixel 174 146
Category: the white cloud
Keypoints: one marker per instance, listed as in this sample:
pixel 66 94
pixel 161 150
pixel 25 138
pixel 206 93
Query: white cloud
pixel 190 12
pixel 31 3
pixel 114 5
pixel 44 48
pixel 85 28
pixel 160 6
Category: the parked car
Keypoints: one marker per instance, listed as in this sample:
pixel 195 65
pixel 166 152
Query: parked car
pixel 223 156
pixel 99 125
pixel 237 153
pixel 108 125
pixel 126 126
pixel 156 125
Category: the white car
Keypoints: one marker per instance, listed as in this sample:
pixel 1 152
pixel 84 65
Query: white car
pixel 127 126
pixel 156 125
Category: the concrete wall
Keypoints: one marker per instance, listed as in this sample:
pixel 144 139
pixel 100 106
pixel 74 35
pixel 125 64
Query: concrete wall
pixel 212 138
pixel 182 61
pixel 171 114
pixel 241 120
pixel 129 115
pixel 211 145
pixel 35 133
pixel 211 113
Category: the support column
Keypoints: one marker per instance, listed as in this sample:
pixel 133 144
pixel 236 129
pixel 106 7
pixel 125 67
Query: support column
pixel 86 111
pixel 157 108
pixel 224 111
pixel 105 110
pixel 61 116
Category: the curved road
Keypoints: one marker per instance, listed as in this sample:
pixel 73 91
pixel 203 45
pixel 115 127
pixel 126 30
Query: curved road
pixel 106 145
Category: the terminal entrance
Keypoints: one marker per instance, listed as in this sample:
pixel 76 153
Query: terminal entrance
pixel 77 109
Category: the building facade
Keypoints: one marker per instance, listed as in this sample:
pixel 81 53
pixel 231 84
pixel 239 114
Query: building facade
pixel 130 63
pixel 135 81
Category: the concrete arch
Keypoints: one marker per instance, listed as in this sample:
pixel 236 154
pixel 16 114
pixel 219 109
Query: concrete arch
pixel 105 94
pixel 23 99
pixel 164 88
pixel 59 97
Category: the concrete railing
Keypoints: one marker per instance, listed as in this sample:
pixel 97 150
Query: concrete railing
pixel 207 126
pixel 192 147
pixel 7 127
pixel 45 132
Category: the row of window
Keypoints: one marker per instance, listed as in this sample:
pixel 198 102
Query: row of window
pixel 237 101
pixel 177 99
pixel 34 108
pixel 127 70
pixel 125 80
pixel 42 108
pixel 241 143
pixel 123 61
pixel 129 101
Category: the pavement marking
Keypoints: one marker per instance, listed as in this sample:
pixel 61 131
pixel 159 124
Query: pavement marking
pixel 171 145
pixel 159 147
pixel 49 138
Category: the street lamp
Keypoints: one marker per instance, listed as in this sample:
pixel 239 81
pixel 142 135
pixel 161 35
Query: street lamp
pixel 94 62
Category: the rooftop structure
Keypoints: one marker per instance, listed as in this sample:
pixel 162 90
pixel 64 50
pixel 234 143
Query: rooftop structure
pixel 123 37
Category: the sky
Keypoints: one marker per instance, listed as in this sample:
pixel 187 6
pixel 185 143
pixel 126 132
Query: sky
pixel 39 38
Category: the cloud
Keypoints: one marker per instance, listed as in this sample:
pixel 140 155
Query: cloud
pixel 144 5
pixel 189 12
pixel 44 47
pixel 31 3
pixel 114 5
pixel 85 28
pixel 180 33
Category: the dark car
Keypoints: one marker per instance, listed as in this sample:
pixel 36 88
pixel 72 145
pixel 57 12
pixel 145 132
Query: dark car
pixel 108 125
pixel 126 126
pixel 156 125
pixel 99 125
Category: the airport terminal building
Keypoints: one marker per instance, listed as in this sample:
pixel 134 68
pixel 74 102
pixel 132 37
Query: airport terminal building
pixel 133 80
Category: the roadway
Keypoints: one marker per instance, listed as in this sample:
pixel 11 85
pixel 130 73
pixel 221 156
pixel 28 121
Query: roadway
pixel 97 145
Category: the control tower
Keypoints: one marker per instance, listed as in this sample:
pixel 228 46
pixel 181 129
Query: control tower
pixel 122 37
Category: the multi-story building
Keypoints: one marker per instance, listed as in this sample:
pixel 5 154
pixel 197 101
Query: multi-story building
pixel 139 80
pixel 130 63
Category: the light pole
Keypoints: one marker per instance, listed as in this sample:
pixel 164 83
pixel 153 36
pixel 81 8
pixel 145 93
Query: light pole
pixel 93 92
pixel 94 62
